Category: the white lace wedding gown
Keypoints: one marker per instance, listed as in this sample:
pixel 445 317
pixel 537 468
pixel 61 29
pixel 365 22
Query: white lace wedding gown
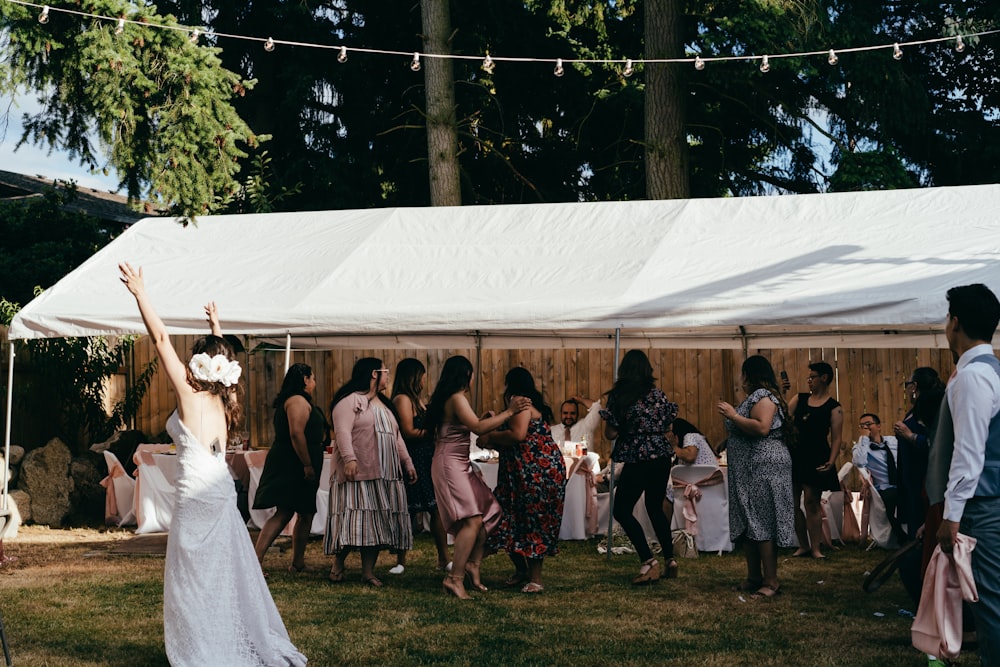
pixel 217 609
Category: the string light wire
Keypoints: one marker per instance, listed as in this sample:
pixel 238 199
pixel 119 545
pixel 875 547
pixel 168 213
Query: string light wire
pixel 699 61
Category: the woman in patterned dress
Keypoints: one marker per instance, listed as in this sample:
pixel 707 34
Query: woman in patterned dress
pixel 367 496
pixel 531 485
pixel 760 476
pixel 407 388
pixel 637 417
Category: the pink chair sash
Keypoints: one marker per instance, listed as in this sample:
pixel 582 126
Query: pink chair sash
pixel 692 492
pixel 110 499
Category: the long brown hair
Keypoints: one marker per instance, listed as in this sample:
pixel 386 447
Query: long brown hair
pixel 232 396
pixel 759 374
pixel 406 382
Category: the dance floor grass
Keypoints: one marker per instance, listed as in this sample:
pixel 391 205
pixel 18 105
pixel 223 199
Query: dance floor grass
pixel 72 602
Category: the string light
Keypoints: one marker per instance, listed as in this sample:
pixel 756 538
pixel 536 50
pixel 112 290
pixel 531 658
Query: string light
pixel 629 70
pixel 698 61
pixel 415 63
pixel 832 58
pixel 765 65
pixel 488 65
pixel 269 45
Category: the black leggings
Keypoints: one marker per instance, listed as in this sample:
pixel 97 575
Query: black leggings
pixel 649 477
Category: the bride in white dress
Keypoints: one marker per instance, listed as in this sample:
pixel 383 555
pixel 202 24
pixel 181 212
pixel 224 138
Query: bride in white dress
pixel 217 609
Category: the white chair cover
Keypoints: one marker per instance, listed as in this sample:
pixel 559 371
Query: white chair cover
pixel 120 491
pixel 879 528
pixel 712 509
pixel 154 496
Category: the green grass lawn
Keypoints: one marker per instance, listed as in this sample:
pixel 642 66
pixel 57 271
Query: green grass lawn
pixel 71 603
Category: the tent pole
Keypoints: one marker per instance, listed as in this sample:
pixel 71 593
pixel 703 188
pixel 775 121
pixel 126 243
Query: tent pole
pixel 611 463
pixel 479 371
pixel 6 436
pixel 288 352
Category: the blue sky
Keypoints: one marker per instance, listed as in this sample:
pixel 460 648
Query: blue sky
pixel 38 160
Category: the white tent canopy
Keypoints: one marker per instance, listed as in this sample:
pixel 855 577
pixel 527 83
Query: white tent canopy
pixel 847 270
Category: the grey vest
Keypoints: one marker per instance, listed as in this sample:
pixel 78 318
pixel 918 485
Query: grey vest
pixel 943 446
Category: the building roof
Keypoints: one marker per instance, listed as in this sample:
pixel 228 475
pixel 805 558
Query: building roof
pixel 101 204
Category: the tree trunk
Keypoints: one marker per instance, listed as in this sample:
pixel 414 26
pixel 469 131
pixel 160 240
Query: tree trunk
pixel 666 138
pixel 442 135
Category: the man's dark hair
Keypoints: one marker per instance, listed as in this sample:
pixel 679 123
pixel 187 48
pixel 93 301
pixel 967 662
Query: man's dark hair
pixel 873 416
pixel 977 310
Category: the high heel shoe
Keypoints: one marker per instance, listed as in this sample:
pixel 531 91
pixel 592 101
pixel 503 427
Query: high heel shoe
pixel 472 570
pixel 648 573
pixel 453 585
pixel 671 569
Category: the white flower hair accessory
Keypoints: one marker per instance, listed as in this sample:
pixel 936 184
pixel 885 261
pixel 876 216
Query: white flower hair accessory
pixel 215 369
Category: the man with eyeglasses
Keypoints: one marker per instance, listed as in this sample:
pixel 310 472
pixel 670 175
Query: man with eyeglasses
pixel 878 453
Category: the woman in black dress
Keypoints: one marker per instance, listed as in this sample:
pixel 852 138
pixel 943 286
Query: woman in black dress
pixel 290 478
pixel 819 420
pixel 407 389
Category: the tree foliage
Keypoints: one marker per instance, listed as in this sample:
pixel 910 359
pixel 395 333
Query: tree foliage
pixel 160 106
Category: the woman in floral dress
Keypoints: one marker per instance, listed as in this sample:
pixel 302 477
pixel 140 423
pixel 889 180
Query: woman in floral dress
pixel 531 485
pixel 761 513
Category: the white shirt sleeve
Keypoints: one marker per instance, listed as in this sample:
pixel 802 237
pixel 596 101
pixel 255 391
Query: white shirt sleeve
pixel 586 426
pixel 973 396
pixel 859 453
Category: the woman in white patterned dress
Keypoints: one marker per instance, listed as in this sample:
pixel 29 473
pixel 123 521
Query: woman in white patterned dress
pixel 761 511
pixel 217 609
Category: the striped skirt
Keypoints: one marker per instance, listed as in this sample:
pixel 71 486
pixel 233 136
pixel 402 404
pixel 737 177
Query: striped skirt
pixel 373 512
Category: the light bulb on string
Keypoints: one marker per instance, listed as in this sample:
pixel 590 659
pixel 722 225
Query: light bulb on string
pixel 194 36
pixel 629 69
pixel 415 63
pixel 897 53
pixel 765 65
pixel 342 56
pixel 120 28
pixel 559 71
pixel 959 44
pixel 699 64
pixel 488 65
pixel 43 18
pixel 832 58
pixel 269 45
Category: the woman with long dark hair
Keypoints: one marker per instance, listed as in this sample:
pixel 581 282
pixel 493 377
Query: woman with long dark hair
pixel 407 396
pixel 637 417
pixel 467 507
pixel 217 609
pixel 761 513
pixel 367 497
pixel 531 485
pixel 290 478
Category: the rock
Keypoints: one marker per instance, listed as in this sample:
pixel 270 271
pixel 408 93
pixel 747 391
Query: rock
pixel 23 501
pixel 87 497
pixel 45 476
pixel 16 454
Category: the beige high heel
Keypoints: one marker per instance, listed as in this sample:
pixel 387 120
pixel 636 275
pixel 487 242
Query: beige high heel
pixel 453 585
pixel 473 574
pixel 648 573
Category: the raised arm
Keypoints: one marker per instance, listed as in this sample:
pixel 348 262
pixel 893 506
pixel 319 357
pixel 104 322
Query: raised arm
pixel 467 417
pixel 172 365
pixel 213 319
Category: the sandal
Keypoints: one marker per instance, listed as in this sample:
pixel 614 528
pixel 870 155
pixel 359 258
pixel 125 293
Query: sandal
pixel 532 587
pixel 372 581
pixel 336 577
pixel 766 591
pixel 671 569
pixel 515 579
pixel 473 574
pixel 746 586
pixel 648 573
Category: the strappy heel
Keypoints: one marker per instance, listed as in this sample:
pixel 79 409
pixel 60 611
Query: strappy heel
pixel 454 585
pixel 648 573
pixel 473 575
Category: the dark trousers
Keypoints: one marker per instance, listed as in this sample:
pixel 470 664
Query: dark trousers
pixel 981 520
pixel 649 477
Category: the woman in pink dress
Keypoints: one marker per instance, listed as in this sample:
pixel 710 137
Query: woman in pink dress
pixel 467 507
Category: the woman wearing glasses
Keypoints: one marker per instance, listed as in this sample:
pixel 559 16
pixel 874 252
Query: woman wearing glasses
pixel 367 497
pixel 820 423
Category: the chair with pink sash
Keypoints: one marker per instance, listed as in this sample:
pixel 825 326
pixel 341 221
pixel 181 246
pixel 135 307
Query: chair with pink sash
pixel 119 493
pixel 154 489
pixel 701 505
pixel 581 493
pixel 874 520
